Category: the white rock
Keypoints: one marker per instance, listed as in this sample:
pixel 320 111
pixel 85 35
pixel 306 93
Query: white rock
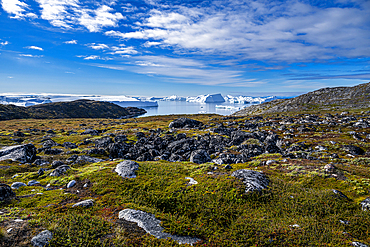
pixel 71 184
pixel 17 185
pixel 42 239
pixel 151 225
pixel 127 168
pixel 9 230
pixel 86 203
pixel 192 181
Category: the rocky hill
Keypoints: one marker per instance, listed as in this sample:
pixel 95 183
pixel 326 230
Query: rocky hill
pixel 73 109
pixel 337 98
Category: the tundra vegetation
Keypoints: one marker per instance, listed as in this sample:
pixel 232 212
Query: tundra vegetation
pixel 317 165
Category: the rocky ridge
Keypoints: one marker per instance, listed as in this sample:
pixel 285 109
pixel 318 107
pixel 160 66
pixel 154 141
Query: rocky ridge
pixel 337 98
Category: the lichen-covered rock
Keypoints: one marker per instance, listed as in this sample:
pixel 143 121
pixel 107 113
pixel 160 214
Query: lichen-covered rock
pixel 17 185
pixel 42 239
pixel 151 225
pixel 86 203
pixel 365 204
pixel 21 153
pixel 33 183
pixel 6 192
pixel 127 168
pixel 253 180
pixel 61 170
pixel 184 122
pixel 200 157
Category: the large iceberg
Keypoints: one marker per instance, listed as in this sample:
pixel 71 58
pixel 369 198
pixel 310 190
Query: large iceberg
pixel 208 98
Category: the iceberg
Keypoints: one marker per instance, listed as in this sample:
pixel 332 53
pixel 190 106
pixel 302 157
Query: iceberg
pixel 174 98
pixel 208 98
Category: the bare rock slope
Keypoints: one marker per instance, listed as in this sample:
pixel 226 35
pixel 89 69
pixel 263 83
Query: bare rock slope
pixel 336 98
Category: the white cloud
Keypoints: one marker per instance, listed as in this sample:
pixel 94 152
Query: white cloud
pixel 32 47
pixel 29 55
pixel 99 46
pixel 124 50
pixel 92 57
pixel 17 9
pixel 10 77
pixel 4 43
pixel 282 31
pixel 71 42
pixel 95 20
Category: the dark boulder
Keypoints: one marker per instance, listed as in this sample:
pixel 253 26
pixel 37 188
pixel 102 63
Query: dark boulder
pixel 200 157
pixel 53 151
pixel 49 143
pixel 120 138
pixel 21 153
pixel 100 151
pixel 70 145
pixel 56 163
pixel 6 192
pixel 103 142
pixel 118 149
pixel 354 150
pixel 61 170
pixel 185 122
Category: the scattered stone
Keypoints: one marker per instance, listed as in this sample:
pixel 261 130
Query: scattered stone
pixel 17 185
pixel 71 184
pixel 41 171
pixel 344 222
pixel 9 230
pixel 33 182
pixel 87 203
pixel 184 122
pixel 339 194
pixel 295 226
pixel 6 192
pixel 127 168
pixel 200 157
pixel 21 153
pixel 18 220
pixel 53 151
pixel 61 170
pixel 42 239
pixel 365 204
pixel 151 225
pixel 253 180
pixel 69 145
pixel 329 168
pixel 192 180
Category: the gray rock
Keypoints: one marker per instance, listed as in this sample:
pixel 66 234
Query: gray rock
pixel 358 244
pixel 70 145
pixel 33 182
pixel 354 150
pixel 49 143
pixel 6 192
pixel 151 225
pixel 90 132
pixel 71 184
pixel 21 153
pixel 60 171
pixel 17 185
pixel 184 122
pixel 127 168
pixel 41 171
pixel 253 180
pixel 200 157
pixel 40 162
pixel 56 163
pixel 86 159
pixel 365 204
pixel 87 203
pixel 42 239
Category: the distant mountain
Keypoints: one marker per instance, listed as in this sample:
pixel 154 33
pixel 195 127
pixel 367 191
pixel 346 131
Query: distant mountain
pixel 337 98
pixel 72 109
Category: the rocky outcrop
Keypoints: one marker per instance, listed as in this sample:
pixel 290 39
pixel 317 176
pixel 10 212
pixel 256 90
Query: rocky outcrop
pixel 21 153
pixel 72 109
pixel 185 122
pixel 357 97
pixel 151 225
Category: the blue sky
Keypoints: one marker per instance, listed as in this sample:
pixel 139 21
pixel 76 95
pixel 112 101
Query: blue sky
pixel 160 48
